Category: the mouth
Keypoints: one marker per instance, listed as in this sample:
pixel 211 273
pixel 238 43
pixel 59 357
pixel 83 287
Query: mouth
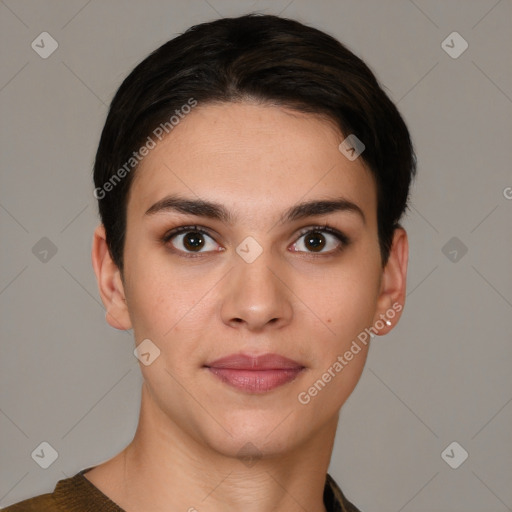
pixel 255 374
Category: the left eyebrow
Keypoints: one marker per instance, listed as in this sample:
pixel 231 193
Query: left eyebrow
pixel 321 207
pixel 212 210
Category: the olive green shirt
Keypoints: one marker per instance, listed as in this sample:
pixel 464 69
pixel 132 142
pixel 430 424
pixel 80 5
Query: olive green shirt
pixel 77 494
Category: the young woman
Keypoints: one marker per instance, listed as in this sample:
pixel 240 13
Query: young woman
pixel 250 176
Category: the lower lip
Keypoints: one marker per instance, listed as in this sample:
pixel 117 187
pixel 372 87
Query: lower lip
pixel 255 381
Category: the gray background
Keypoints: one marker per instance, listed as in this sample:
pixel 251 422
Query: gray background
pixel 442 375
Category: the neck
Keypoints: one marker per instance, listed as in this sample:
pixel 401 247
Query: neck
pixel 164 469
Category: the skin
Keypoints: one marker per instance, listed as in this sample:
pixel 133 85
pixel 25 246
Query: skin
pixel 257 161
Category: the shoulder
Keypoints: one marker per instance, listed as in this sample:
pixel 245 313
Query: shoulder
pixel 41 503
pixel 72 494
pixel 67 496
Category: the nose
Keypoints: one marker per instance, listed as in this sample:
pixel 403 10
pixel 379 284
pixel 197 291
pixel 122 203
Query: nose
pixel 257 294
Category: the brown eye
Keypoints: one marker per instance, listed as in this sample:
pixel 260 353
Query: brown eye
pixel 193 240
pixel 314 240
pixel 189 239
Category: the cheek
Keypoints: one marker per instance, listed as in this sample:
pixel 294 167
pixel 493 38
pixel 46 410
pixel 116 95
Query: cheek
pixel 159 294
pixel 346 302
pixel 346 307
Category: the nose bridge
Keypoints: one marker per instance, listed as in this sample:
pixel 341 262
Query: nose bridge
pixel 256 294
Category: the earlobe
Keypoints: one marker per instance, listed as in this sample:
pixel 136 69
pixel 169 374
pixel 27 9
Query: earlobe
pixel 393 285
pixel 109 281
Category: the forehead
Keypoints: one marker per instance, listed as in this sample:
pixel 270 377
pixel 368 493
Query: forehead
pixel 257 160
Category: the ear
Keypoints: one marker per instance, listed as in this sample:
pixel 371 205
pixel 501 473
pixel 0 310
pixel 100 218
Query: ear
pixel 393 284
pixel 110 283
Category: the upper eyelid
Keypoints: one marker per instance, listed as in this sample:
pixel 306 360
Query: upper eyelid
pixel 201 229
pixel 342 237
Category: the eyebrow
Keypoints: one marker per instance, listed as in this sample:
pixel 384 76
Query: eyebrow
pixel 212 210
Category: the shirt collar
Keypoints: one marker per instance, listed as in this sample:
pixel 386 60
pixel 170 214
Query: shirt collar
pixel 84 492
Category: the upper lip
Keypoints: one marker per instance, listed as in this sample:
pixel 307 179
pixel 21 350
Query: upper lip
pixel 262 362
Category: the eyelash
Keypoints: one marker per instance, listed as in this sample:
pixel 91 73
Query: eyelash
pixel 345 241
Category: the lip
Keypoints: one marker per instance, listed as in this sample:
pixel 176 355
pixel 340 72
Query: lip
pixel 255 374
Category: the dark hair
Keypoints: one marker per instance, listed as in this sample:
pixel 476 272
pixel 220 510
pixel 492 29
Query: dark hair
pixel 269 59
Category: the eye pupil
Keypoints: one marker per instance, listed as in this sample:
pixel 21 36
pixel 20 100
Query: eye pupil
pixel 193 240
pixel 316 243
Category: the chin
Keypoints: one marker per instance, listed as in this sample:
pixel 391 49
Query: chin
pixel 256 434
pixel 251 447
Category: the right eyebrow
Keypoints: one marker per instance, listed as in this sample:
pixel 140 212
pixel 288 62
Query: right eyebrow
pixel 212 210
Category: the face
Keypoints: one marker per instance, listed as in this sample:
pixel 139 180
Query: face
pixel 255 280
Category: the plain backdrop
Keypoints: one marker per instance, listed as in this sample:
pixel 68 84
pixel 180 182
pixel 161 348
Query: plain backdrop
pixel 441 376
